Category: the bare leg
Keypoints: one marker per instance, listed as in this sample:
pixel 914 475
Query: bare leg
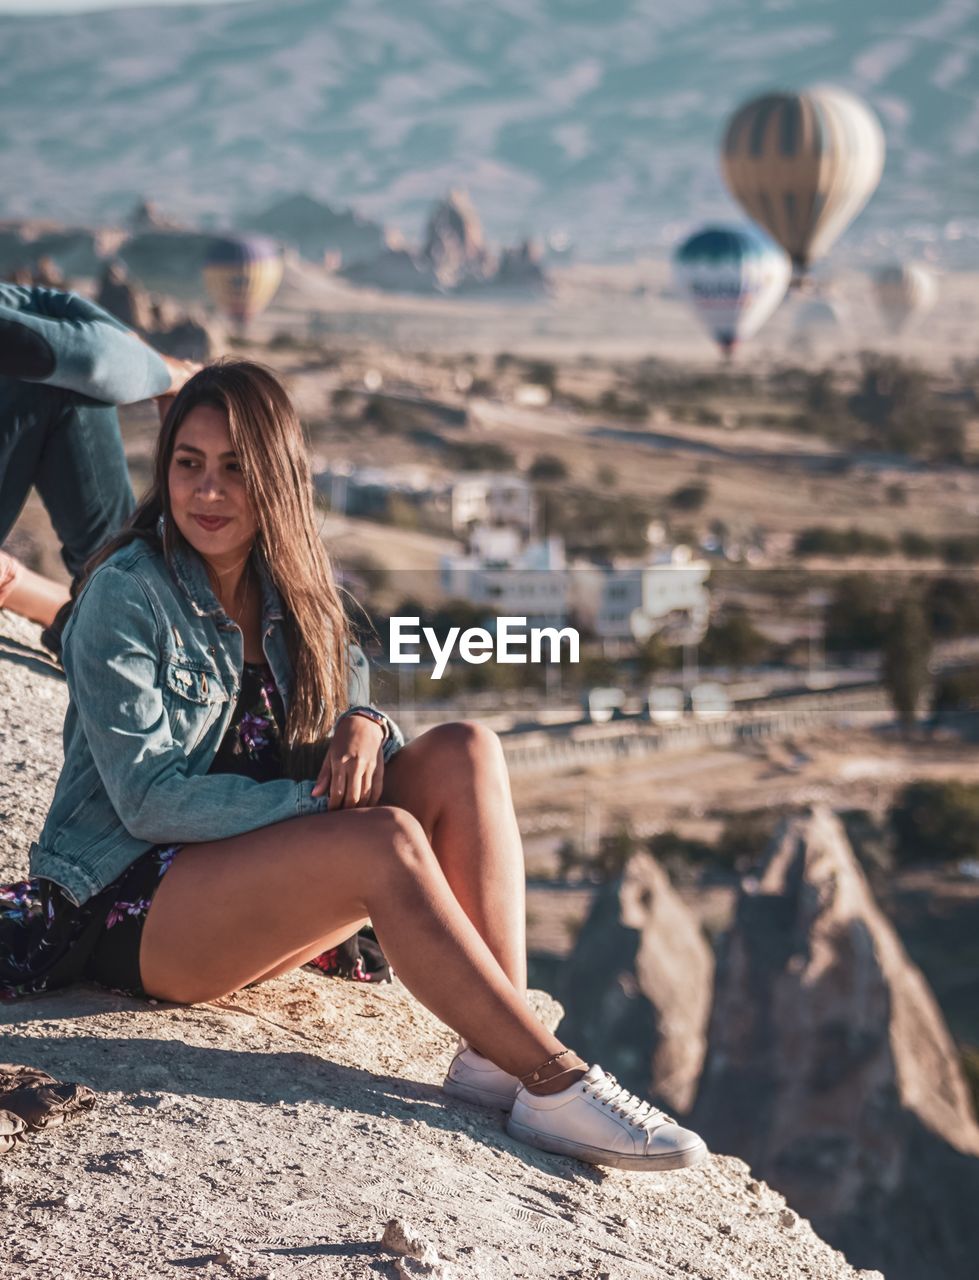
pixel 231 911
pixel 454 780
pixel 28 593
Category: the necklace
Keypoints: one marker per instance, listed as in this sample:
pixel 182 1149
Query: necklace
pixel 244 589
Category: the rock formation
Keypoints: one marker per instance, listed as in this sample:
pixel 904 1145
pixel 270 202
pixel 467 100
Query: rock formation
pixel 188 337
pixel 454 245
pixel 317 230
pixel 453 259
pixel 521 268
pixel 831 1069
pixel 399 270
pixel 75 251
pixel 277 1132
pixel 638 986
pixel 147 216
pixel 124 299
pixel 47 272
pixel 167 261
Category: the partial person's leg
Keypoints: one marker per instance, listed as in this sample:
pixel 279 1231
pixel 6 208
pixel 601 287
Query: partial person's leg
pixel 29 594
pixel 83 478
pixel 22 430
pixel 22 436
pixel 454 780
pixel 231 911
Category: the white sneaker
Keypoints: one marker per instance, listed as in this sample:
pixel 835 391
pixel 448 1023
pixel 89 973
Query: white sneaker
pixel 597 1121
pixel 476 1079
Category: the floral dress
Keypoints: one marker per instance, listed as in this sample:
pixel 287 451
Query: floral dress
pixel 46 941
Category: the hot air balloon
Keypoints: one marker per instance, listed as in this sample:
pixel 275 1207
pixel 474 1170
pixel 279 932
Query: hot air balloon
pixel 904 290
pixel 819 317
pixel 735 277
pixel 818 324
pixel 803 165
pixel 241 274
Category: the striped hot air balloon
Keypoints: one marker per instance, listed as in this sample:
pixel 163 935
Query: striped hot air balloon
pixel 735 277
pixel 904 290
pixel 803 165
pixel 241 275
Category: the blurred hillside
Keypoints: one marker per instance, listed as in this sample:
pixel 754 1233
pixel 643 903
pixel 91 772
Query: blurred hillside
pixel 600 120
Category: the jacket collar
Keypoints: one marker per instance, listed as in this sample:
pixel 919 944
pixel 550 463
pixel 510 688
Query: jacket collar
pixel 191 574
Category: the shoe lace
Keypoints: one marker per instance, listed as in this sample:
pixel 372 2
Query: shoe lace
pixel 637 1111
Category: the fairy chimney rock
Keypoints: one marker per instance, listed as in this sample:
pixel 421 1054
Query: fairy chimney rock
pixel 638 985
pixel 454 243
pixel 829 1061
pixel 124 299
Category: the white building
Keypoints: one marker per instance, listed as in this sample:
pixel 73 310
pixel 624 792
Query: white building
pixel 511 578
pixel 633 602
pixel 493 498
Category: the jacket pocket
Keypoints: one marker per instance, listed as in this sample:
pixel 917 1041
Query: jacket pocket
pixel 192 684
pixel 193 698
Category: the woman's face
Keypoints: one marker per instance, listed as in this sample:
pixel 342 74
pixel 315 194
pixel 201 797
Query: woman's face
pixel 207 490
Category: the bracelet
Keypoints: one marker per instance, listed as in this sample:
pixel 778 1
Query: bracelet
pixel 368 713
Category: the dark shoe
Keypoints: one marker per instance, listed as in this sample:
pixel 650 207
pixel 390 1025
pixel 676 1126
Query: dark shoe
pixel 51 636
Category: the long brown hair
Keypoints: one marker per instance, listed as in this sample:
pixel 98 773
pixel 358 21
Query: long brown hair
pixel 268 440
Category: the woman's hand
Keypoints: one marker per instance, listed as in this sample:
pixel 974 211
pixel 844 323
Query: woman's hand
pixel 181 371
pixel 353 769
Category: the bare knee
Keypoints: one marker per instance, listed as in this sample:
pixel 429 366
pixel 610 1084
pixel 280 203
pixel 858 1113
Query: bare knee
pixel 397 838
pixel 465 743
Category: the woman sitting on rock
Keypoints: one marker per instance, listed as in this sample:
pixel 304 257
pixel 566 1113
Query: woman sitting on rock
pixel 232 806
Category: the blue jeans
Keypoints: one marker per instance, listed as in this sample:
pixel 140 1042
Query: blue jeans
pixel 70 448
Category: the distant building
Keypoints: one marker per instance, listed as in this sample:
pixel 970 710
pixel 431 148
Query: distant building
pixel 668 596
pixel 511 577
pixel 493 498
pixel 367 491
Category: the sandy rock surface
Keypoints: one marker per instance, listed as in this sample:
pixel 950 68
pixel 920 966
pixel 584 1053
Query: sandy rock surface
pixel 276 1133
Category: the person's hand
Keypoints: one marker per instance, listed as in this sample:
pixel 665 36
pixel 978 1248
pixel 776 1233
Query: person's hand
pixel 163 404
pixel 181 371
pixel 353 769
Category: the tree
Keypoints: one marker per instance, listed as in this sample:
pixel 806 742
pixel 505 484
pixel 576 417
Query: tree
pixel 734 641
pixel 936 822
pixel 856 616
pixel 904 665
pixel 614 851
pixel 547 468
pixel 654 655
pixel 690 497
pixel 953 607
pixel 902 412
pixel 541 372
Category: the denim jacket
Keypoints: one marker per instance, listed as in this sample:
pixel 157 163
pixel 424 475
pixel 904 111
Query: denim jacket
pixel 154 665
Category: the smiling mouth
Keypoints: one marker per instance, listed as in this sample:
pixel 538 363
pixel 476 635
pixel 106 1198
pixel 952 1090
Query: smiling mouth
pixel 211 523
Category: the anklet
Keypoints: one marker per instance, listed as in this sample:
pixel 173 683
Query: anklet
pixel 534 1076
pixel 557 1076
